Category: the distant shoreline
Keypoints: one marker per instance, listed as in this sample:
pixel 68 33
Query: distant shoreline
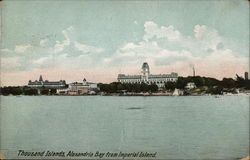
pixel 135 95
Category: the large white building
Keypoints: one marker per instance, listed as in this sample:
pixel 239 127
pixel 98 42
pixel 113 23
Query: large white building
pixel 79 88
pixel 146 77
pixel 48 84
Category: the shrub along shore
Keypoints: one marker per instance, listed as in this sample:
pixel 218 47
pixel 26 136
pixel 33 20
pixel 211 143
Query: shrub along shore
pixel 204 86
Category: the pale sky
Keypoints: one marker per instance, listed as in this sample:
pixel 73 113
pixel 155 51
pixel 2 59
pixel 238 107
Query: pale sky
pixel 96 40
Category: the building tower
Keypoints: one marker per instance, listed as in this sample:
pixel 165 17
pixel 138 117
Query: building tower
pixel 145 71
pixel 246 75
pixel 84 82
pixel 40 78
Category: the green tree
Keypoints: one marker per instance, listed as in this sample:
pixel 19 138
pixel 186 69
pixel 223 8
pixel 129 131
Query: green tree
pixel 11 90
pixel 211 82
pixel 44 91
pixel 228 83
pixel 181 82
pixel 52 91
pixel 30 91
pixel 170 85
pixel 215 90
pixel 199 81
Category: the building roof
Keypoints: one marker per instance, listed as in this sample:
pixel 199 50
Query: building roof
pixel 35 83
pixel 162 76
pixel 47 83
pixel 54 83
pixel 81 84
pixel 172 75
pixel 145 65
pixel 123 76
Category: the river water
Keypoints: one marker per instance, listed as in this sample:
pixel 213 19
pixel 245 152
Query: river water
pixel 185 127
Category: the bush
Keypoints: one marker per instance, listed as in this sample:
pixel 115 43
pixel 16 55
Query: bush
pixel 11 90
pixel 30 91
pixel 170 85
pixel 117 87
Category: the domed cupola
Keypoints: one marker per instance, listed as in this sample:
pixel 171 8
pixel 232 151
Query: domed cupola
pixel 145 71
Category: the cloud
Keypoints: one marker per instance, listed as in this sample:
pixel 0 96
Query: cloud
pixel 207 35
pixel 60 45
pixel 205 49
pixel 141 49
pixel 152 30
pixel 43 42
pixel 163 47
pixel 42 60
pixel 65 61
pixel 67 53
pixel 6 50
pixel 69 33
pixel 8 63
pixel 87 49
pixel 70 41
pixel 22 48
pixel 132 54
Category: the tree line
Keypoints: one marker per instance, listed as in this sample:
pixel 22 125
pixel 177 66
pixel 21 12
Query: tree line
pixel 117 87
pixel 213 85
pixel 24 90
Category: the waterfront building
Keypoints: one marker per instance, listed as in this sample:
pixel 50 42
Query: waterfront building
pixel 79 88
pixel 190 85
pixel 146 77
pixel 48 84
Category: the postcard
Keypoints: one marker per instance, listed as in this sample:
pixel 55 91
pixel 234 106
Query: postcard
pixel 124 79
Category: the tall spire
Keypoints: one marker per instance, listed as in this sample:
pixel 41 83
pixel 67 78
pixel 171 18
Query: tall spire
pixel 84 81
pixel 193 72
pixel 40 78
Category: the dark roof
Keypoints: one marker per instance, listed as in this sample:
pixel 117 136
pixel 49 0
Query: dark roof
pixel 145 65
pixel 122 76
pixel 34 83
pixel 81 84
pixel 172 75
pixel 47 83
pixel 163 76
pixel 54 83
pixel 78 84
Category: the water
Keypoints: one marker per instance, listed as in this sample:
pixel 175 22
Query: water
pixel 198 127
